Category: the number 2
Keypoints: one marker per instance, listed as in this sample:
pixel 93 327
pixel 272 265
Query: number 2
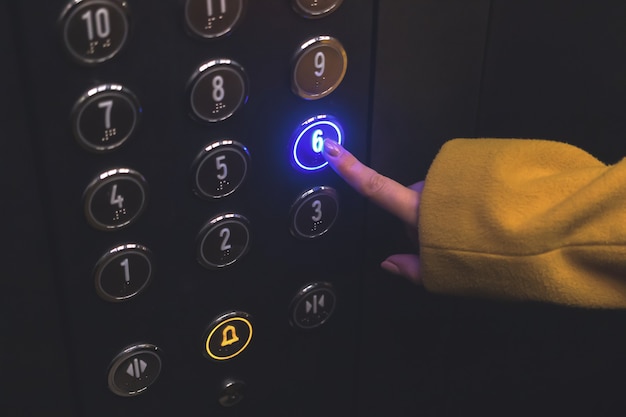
pixel 317 206
pixel 225 235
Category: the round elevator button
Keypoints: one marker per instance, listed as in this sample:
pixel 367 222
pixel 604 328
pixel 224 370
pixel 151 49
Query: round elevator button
pixel 105 117
pixel 115 199
pixel 212 18
pixel 315 8
pixel 228 335
pixel 312 306
pixel 319 67
pixel 223 240
pixel 134 369
pixel 94 31
pixel 308 141
pixel 123 272
pixel 217 89
pixel 220 169
pixel 314 212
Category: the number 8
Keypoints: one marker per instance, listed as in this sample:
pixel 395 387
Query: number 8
pixel 218 88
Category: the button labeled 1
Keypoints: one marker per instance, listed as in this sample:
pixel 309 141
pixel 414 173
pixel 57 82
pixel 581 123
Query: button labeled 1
pixel 314 212
pixel 223 240
pixel 123 272
pixel 308 141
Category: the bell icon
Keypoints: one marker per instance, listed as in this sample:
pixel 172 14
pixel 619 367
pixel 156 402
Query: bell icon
pixel 229 336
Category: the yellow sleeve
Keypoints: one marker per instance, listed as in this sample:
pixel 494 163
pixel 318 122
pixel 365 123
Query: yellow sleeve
pixel 522 219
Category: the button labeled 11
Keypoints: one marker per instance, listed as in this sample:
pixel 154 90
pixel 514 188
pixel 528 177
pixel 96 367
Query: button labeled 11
pixel 308 141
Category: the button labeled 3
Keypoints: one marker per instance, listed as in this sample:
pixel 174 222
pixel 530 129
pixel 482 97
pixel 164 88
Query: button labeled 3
pixel 228 335
pixel 314 212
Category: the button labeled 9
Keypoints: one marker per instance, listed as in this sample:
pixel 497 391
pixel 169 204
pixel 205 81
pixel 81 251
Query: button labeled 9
pixel 319 67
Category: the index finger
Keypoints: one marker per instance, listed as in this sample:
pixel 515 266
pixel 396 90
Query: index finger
pixel 394 197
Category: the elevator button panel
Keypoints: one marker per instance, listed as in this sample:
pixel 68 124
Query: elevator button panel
pixel 94 31
pixel 180 145
pixel 115 199
pixel 105 117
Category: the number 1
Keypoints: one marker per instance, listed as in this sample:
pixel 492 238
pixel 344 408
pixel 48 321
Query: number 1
pixel 124 264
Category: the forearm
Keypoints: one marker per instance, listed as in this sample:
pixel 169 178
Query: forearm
pixel 527 220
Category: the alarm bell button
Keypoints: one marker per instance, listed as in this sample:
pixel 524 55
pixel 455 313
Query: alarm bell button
pixel 228 335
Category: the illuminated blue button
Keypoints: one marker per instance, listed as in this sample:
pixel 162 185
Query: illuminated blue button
pixel 309 141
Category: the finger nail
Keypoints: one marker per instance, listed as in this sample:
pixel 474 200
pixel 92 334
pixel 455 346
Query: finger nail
pixel 331 148
pixel 390 267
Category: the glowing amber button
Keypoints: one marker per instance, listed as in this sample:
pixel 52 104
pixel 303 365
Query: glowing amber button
pixel 228 335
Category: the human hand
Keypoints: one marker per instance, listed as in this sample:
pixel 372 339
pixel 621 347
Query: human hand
pixel 401 201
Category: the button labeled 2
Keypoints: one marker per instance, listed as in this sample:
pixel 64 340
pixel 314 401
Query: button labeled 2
pixel 314 212
pixel 223 240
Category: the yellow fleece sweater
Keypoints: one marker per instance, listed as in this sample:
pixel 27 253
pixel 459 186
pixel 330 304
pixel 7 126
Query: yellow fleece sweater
pixel 524 220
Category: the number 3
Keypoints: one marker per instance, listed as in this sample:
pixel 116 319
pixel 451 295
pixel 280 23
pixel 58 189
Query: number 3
pixel 317 206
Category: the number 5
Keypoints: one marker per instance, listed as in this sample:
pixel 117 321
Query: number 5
pixel 221 166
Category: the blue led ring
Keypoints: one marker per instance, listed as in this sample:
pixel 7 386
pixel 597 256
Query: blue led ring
pixel 309 140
